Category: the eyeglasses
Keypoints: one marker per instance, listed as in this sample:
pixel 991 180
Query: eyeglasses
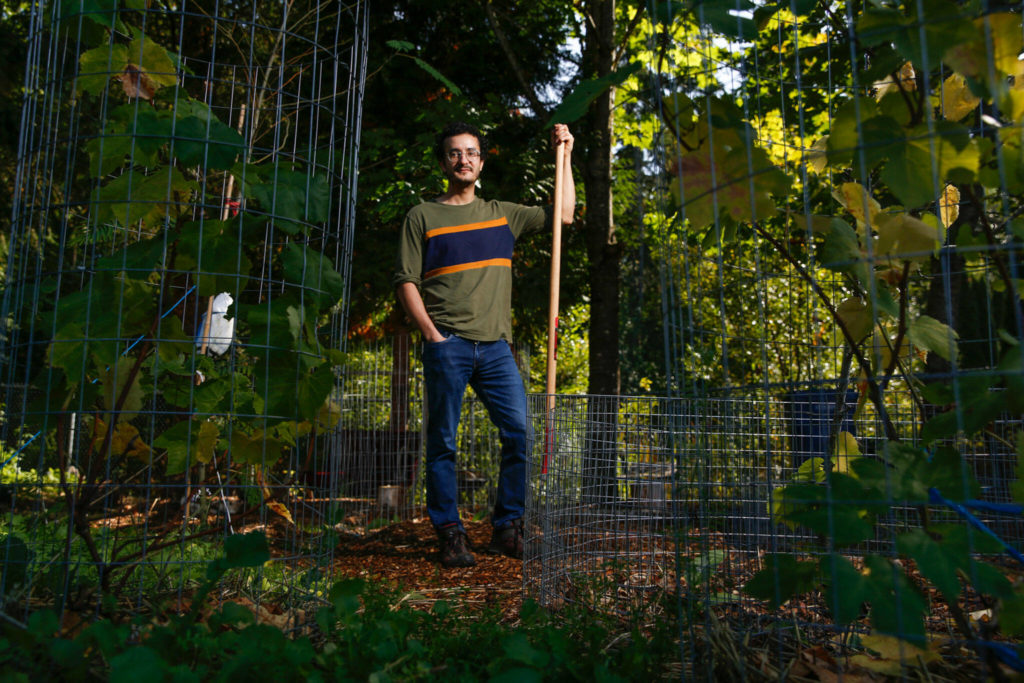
pixel 456 154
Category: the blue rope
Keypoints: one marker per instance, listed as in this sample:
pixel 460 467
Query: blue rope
pixel 1006 654
pixel 165 314
pixel 15 455
pixel 937 498
pixel 998 508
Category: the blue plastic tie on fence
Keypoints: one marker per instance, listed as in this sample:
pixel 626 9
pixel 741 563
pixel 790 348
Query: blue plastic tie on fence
pixel 165 314
pixel 998 508
pixel 937 498
pixel 20 449
pixel 1006 654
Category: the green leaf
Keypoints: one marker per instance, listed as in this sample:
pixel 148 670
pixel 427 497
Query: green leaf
pixel 246 550
pixel 115 386
pixel 948 473
pixel 841 251
pixel 979 413
pixel 69 351
pixel 1011 367
pixel 844 136
pixel 207 143
pixel 989 580
pixel 209 396
pixel 897 607
pixel 846 589
pixel 16 557
pixel 928 334
pixel 942 24
pixel 938 393
pixel 844 513
pixel 96 66
pixel 400 45
pixel 576 104
pixel 138 663
pixel 783 577
pixel 937 563
pixel 233 615
pixel 136 261
pixel 153 59
pixel 517 648
pixel 857 318
pixel 134 196
pixel 276 324
pixel 881 138
pixel 909 170
pixel 455 90
pixel 240 550
pixel 1011 616
pixel 291 392
pixel 257 448
pixel 212 249
pixel 292 198
pixel 321 284
pixel 720 18
pixel 518 675
pixel 188 442
pixel 171 341
pixel 132 131
pixel 900 235
pixel 728 177
pixel 942 426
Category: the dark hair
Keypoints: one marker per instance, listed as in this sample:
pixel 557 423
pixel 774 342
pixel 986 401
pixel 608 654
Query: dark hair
pixel 458 128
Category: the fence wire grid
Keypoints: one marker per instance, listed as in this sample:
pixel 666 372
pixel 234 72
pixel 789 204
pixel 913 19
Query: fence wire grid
pixel 174 297
pixel 829 206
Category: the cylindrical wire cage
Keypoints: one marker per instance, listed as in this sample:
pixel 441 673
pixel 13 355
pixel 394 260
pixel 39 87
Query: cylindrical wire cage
pixel 833 207
pixel 175 297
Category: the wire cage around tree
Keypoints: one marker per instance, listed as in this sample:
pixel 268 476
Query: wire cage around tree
pixel 829 204
pixel 174 297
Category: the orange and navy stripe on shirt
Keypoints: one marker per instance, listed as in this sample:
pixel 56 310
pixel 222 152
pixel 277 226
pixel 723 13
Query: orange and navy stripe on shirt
pixel 456 248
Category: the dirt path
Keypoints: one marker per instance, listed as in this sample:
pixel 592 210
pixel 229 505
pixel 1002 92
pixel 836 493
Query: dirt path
pixel 405 556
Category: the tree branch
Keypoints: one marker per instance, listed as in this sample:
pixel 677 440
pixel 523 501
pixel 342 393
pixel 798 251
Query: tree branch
pixel 633 23
pixel 510 56
pixel 874 392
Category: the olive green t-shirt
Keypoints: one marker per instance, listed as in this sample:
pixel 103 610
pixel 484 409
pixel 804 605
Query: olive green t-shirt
pixel 460 257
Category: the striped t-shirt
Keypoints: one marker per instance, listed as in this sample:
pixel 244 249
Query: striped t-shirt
pixel 460 256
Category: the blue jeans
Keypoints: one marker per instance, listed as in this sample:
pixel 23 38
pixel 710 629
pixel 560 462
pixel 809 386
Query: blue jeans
pixel 488 367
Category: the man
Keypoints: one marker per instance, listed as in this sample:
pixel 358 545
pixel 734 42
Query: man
pixel 454 279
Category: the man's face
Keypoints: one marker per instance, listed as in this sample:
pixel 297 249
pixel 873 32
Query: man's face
pixel 462 162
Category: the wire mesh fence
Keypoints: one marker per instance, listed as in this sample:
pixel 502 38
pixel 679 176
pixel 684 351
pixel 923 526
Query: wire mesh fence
pixel 174 296
pixel 832 201
pixel 832 197
pixel 378 456
pixel 672 506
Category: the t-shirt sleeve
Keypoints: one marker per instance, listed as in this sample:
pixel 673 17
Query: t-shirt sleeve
pixel 409 259
pixel 526 219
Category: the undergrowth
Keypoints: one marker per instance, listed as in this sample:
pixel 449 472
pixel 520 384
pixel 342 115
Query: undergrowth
pixel 363 633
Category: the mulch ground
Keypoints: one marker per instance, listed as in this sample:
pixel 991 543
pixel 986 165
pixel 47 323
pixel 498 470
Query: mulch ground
pixel 405 557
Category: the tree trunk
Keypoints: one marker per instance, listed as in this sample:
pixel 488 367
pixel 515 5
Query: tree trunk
pixel 603 249
pixel 601 453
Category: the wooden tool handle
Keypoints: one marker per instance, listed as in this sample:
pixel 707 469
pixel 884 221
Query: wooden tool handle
pixel 556 270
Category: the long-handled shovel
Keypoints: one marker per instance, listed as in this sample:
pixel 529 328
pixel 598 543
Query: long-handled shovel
pixel 556 265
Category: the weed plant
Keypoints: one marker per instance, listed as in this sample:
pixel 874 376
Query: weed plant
pixel 362 633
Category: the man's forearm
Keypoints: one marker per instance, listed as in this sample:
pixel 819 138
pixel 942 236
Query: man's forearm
pixel 409 296
pixel 568 192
